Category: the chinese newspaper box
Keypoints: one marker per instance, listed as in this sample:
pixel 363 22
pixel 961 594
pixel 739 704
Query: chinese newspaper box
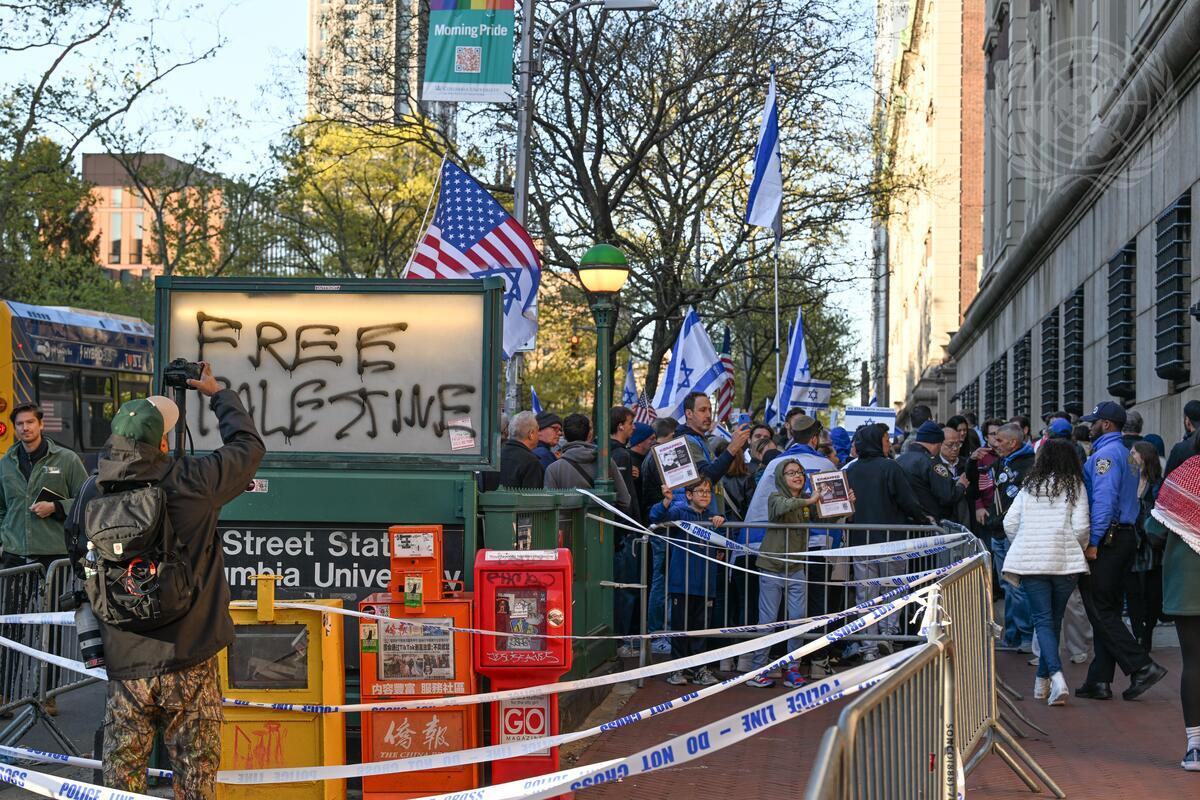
pixel 414 653
pixel 526 593
pixel 283 656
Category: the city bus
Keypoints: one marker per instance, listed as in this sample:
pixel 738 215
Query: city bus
pixel 79 366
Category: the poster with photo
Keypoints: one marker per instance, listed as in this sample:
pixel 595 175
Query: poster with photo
pixel 833 494
pixel 521 611
pixel 675 463
pixel 408 650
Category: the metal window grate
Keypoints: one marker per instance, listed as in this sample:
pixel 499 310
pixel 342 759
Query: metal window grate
pixel 1022 380
pixel 1073 353
pixel 1172 287
pixel 1050 363
pixel 997 388
pixel 1122 322
pixel 967 398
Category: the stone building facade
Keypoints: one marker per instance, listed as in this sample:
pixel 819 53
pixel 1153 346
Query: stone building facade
pixel 1092 179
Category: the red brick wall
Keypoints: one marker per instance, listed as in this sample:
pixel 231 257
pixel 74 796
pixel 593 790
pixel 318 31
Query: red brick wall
pixel 971 185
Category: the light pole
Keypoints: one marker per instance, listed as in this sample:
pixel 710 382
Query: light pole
pixel 525 124
pixel 603 271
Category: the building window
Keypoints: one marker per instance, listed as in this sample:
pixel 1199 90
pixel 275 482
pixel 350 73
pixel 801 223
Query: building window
pixel 1122 322
pixel 1022 390
pixel 138 200
pixel 135 252
pixel 997 388
pixel 968 397
pixel 1173 276
pixel 114 238
pixel 1073 353
pixel 1050 363
pixel 118 197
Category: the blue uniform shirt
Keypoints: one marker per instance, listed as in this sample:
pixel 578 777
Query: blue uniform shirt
pixel 1112 484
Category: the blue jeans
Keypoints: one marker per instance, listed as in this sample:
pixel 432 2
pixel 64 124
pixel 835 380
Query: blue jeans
pixel 770 592
pixel 1048 596
pixel 656 604
pixel 1018 627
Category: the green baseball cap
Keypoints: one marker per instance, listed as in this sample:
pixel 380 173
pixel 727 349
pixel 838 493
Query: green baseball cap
pixel 146 419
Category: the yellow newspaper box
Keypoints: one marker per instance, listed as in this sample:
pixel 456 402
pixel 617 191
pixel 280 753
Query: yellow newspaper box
pixel 283 655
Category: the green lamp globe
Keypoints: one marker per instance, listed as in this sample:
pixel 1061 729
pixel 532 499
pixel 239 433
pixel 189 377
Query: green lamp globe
pixel 603 269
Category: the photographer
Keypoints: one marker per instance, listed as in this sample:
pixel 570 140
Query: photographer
pixel 166 677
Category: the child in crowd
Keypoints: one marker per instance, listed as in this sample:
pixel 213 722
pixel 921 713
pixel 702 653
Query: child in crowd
pixel 691 578
pixel 789 503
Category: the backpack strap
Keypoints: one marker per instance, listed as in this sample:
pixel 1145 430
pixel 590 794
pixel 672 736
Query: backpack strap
pixel 591 482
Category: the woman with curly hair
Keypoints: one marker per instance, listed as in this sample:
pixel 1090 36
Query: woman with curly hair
pixel 1048 524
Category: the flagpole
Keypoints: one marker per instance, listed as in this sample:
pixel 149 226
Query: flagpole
pixel 421 230
pixel 778 375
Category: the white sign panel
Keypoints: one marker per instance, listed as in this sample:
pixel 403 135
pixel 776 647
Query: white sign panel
pixel 523 719
pixel 340 372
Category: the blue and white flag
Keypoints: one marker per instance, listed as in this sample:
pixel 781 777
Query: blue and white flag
pixel 769 412
pixel 694 367
pixel 765 208
pixel 629 396
pixel 798 389
pixel 534 403
pixel 855 417
pixel 874 401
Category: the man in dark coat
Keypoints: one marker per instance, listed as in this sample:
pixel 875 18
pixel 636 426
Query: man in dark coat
pixel 930 479
pixel 519 467
pixel 550 431
pixel 883 496
pixel 167 678
pixel 1186 448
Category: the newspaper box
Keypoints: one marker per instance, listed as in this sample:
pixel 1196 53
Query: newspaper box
pixel 527 593
pixel 413 653
pixel 283 656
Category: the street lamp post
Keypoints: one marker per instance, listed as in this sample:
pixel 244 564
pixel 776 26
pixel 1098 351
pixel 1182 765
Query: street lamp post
pixel 603 271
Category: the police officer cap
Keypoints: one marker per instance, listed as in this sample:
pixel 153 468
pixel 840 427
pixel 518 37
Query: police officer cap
pixel 930 432
pixel 1108 410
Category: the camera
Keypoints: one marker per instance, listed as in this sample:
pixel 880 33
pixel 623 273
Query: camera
pixel 179 372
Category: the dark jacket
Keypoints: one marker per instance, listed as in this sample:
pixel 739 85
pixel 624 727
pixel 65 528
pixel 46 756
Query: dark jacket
pixel 930 479
pixel 1181 452
pixel 196 488
pixel 519 467
pixel 883 495
pixel 545 455
pixel 688 572
pixel 650 485
pixel 1008 474
pixel 624 458
pixel 576 469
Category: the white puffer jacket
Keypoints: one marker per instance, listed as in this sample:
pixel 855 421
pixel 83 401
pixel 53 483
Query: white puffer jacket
pixel 1047 536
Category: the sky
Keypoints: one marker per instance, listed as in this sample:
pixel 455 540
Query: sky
pixel 252 90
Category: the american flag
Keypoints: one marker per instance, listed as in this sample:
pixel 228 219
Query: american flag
pixel 726 390
pixel 643 411
pixel 472 236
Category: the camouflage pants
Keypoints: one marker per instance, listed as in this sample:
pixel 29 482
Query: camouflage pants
pixel 186 706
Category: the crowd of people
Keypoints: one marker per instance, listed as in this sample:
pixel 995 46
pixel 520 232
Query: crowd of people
pixel 1088 522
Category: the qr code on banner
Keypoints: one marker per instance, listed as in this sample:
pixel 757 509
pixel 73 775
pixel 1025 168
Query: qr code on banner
pixel 468 59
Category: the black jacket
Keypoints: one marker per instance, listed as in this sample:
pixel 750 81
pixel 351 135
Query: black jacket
pixel 1182 452
pixel 936 490
pixel 196 488
pixel 519 467
pixel 625 458
pixel 883 495
pixel 1008 475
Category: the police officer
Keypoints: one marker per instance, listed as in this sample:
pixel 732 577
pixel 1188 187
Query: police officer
pixel 931 481
pixel 1112 486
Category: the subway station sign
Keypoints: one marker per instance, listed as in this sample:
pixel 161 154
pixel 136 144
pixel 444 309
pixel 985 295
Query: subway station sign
pixel 385 368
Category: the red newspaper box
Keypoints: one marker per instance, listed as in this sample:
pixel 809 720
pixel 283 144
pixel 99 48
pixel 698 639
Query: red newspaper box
pixel 525 592
pixel 414 654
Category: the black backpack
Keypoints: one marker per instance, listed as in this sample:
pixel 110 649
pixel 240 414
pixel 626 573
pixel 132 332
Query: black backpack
pixel 134 574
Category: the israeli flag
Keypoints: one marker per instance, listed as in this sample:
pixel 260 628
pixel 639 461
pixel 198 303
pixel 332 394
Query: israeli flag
pixel 694 367
pixel 534 403
pixel 769 412
pixel 798 388
pixel 629 394
pixel 765 208
pixel 855 417
pixel 874 401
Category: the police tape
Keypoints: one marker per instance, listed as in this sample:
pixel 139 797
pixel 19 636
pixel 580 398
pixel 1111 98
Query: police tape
pixel 54 786
pixel 56 660
pixel 694 744
pixel 47 757
pixel 43 618
pixel 516 749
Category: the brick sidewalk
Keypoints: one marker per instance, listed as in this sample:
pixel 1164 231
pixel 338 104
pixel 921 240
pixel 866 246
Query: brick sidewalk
pixel 1112 749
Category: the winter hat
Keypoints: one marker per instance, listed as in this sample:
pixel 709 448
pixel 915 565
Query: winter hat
pixel 641 432
pixel 930 433
pixel 840 438
pixel 548 418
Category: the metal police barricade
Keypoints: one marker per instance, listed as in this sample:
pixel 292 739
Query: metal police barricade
pixel 828 579
pixel 283 655
pixel 24 680
pixel 408 656
pixel 525 592
pixel 63 640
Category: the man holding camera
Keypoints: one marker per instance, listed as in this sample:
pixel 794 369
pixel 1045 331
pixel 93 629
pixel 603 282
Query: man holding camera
pixel 166 678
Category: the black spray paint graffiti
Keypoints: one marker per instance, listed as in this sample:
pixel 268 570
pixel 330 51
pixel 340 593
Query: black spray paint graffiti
pixel 314 395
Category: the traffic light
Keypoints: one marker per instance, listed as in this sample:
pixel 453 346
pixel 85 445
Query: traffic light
pixel 573 346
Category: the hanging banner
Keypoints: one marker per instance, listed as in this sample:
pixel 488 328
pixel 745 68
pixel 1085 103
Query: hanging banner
pixel 469 58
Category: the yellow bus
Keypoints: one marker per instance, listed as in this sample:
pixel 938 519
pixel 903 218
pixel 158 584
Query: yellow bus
pixel 78 365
